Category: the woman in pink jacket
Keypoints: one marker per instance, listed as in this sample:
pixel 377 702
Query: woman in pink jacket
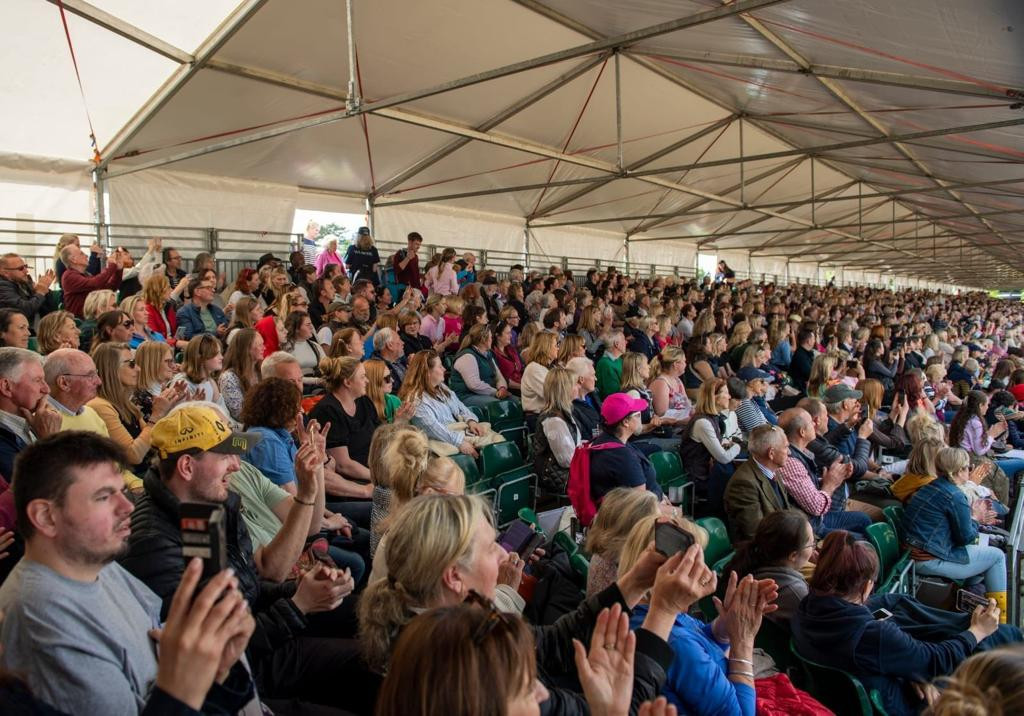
pixel 329 256
pixel 440 277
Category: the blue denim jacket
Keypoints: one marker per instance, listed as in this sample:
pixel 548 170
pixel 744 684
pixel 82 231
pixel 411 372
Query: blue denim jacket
pixel 938 520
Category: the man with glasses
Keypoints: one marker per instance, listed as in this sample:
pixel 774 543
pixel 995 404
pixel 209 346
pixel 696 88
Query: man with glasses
pixel 172 266
pixel 25 415
pixel 201 315
pixel 73 381
pixel 18 291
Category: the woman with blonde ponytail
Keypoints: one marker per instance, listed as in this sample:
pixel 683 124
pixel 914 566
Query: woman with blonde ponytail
pixel 438 548
pixel 669 399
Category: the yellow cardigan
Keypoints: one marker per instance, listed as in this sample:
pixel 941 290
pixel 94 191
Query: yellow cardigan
pixel 135 448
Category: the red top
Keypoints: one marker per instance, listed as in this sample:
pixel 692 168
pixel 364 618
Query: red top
pixel 267 328
pixel 77 285
pixel 510 364
pixel 1018 391
pixel 410 275
pixel 163 322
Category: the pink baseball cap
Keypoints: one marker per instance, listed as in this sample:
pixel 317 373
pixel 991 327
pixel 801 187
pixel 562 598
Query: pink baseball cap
pixel 618 405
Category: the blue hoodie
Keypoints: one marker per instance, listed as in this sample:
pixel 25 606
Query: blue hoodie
pixel 837 633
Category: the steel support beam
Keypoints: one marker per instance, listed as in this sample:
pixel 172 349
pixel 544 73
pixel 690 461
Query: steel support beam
pixel 647 226
pixel 608 43
pixel 125 29
pixel 835 72
pixel 643 161
pixel 177 80
pixel 837 146
pixel 641 217
pixel 505 114
pixel 840 94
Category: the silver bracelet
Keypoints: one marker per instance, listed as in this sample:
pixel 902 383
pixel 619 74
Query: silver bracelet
pixel 748 674
pixel 742 661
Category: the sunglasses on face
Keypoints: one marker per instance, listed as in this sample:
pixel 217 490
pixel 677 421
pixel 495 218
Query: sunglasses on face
pixel 128 323
pixel 130 362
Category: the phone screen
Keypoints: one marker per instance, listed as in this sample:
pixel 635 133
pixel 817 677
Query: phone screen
pixel 881 614
pixel 516 536
pixel 967 601
pixel 669 539
pixel 203 535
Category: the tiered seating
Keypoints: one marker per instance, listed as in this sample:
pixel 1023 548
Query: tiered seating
pixel 673 479
pixel 837 689
pixel 896 569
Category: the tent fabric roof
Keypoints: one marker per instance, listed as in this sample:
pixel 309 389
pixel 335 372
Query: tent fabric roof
pixel 865 134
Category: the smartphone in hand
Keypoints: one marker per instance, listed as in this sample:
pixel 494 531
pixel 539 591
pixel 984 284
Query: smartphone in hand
pixel 670 539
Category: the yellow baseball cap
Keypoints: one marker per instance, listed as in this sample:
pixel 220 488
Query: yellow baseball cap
pixel 199 428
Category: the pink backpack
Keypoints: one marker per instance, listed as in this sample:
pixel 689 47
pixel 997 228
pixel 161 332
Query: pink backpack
pixel 578 487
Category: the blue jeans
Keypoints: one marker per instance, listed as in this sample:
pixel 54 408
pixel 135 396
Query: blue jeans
pixel 987 561
pixel 851 521
pixel 1011 465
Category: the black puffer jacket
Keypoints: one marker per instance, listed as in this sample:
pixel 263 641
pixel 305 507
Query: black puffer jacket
pixel 555 657
pixel 154 556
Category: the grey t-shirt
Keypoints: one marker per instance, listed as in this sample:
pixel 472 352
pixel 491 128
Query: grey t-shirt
pixel 83 647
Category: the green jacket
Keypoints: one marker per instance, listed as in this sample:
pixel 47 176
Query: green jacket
pixel 609 375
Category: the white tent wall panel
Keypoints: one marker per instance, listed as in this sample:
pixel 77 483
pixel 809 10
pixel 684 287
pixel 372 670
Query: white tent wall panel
pixel 443 226
pixel 664 253
pixel 334 202
pixel 585 245
pixel 168 198
pixel 43 188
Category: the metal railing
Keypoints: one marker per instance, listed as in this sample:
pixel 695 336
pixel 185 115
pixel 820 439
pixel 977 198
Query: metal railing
pixel 34 240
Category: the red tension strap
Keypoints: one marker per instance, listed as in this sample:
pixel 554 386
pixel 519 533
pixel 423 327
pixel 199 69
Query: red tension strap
pixel 81 90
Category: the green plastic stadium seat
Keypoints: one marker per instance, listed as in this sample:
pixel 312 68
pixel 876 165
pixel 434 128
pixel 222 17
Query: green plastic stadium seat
pixel 840 691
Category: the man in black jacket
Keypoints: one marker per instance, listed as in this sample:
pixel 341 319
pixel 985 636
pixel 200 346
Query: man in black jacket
pixel 18 291
pixel 197 452
pixel 803 359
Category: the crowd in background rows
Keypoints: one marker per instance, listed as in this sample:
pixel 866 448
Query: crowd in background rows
pixel 321 400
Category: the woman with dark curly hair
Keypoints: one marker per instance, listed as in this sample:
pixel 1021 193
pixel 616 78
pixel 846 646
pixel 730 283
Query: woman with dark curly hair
pixel 271 408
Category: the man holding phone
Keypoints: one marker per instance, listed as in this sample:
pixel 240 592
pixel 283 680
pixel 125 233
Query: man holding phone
pixel 80 628
pixel 197 452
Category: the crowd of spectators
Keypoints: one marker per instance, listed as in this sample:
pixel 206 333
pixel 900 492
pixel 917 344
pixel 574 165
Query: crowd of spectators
pixel 331 406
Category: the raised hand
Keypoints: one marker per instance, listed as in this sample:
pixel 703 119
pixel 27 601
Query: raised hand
pixel 606 673
pixel 406 410
pixel 43 282
pixel 308 471
pixel 510 571
pixel 681 581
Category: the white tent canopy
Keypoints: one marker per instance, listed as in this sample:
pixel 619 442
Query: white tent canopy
pixel 799 135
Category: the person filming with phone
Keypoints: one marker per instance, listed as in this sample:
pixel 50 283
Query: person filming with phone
pixel 836 627
pixel 85 634
pixel 196 453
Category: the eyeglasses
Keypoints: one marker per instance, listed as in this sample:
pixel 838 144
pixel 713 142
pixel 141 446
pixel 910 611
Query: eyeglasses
pixel 128 324
pixel 130 362
pixel 16 268
pixel 495 618
pixel 389 379
pixel 169 362
pixel 90 374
